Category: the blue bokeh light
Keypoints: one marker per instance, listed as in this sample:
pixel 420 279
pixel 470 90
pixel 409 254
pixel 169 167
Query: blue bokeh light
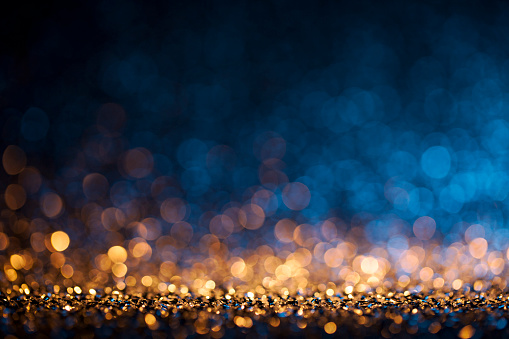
pixel 436 162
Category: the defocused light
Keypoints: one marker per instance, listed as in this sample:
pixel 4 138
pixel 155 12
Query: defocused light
pixel 60 241
pixel 284 230
pixel 15 196
pixel 251 216
pixel 95 186
pixel 117 254
pixel 369 265
pixel 467 332
pixel 14 160
pixel 436 162
pixel 424 228
pixel 119 270
pixel 51 205
pixel 296 196
pixel 478 247
pixel 330 328
pixel 138 162
pixel 173 210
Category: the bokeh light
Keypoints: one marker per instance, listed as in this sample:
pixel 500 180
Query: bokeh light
pixel 235 151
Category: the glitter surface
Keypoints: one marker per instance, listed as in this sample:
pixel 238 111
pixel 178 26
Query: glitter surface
pixel 391 314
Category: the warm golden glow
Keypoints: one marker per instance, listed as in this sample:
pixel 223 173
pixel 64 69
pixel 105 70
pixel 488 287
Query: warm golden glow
pixel 60 241
pixel 117 254
pixel 478 247
pixel 330 328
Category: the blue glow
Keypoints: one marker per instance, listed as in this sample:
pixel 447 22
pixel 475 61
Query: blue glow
pixel 436 162
pixel 452 198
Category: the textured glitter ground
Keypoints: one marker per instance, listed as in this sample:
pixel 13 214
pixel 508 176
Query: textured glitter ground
pixel 402 314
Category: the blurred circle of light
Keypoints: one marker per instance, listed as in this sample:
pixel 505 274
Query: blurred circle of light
pixel 31 180
pixel 149 228
pixel 333 257
pixel 15 196
pixel 173 210
pixel 424 228
pixel 436 162
pixel 112 218
pixel 305 235
pixel 251 216
pixel 34 124
pixel 182 232
pixel 138 162
pixel 369 265
pixel 421 201
pixel 51 204
pixel 452 198
pixel 478 247
pixel 14 160
pixel 4 241
pixel 296 196
pixel 117 254
pixel 495 137
pixel 284 230
pixel 266 200
pixel 467 181
pixel 221 226
pixel 60 241
pixel 379 231
pixel 95 186
pixel 397 245
pixel 474 231
pixel 269 145
pixel 119 270
pixel 330 328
